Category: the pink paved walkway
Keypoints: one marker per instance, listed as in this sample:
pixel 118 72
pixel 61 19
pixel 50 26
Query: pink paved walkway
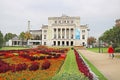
pixel 110 68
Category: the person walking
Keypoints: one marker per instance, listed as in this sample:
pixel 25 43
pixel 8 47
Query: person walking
pixel 111 51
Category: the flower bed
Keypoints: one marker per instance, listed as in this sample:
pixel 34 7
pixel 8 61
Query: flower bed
pixel 27 64
pixel 83 67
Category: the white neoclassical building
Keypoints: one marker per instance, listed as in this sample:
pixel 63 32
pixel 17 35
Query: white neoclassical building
pixel 60 31
pixel 63 31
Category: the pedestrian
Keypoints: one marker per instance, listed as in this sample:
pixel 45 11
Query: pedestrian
pixel 111 51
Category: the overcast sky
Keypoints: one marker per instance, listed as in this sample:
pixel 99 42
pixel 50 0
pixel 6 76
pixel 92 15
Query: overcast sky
pixel 100 15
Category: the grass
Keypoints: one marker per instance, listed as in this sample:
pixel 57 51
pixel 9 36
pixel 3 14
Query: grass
pixel 102 50
pixel 94 69
pixel 69 70
pixel 13 48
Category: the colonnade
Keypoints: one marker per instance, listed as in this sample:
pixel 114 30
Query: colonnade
pixel 63 43
pixel 63 33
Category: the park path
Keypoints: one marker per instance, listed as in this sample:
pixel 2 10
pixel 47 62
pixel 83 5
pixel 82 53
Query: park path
pixel 110 68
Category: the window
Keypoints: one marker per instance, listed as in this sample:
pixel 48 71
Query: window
pixel 45 31
pixel 64 21
pixel 83 36
pixel 60 22
pixel 54 36
pixel 83 43
pixel 67 21
pixel 54 30
pixel 44 43
pixel 83 31
pixel 59 36
pixel 44 36
pixel 55 22
pixel 72 36
pixel 71 21
pixel 63 37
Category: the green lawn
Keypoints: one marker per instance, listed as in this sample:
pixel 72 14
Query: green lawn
pixel 102 50
pixel 13 48
pixel 69 70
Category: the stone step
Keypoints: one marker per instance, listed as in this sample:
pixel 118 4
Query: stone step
pixel 80 47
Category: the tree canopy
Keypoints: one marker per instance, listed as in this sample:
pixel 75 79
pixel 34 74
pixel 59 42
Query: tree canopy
pixel 1 39
pixel 9 36
pixel 28 35
pixel 112 36
pixel 91 40
pixel 22 35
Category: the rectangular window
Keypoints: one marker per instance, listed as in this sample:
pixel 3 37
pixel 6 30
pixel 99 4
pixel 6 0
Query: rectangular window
pixel 55 22
pixel 83 31
pixel 71 21
pixel 45 31
pixel 44 43
pixel 83 36
pixel 54 36
pixel 44 36
pixel 60 21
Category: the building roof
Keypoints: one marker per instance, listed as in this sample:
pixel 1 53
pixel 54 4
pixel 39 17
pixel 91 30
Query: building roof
pixel 44 26
pixel 35 30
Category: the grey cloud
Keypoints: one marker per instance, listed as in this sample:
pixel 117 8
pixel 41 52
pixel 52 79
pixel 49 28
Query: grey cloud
pixel 97 13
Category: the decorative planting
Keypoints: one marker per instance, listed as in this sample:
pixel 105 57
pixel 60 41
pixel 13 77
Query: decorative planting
pixel 69 70
pixel 20 64
pixel 82 66
pixel 46 64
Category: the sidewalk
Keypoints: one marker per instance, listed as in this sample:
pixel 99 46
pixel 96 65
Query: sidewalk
pixel 110 68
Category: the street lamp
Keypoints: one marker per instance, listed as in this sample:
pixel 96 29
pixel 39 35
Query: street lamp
pixel 88 36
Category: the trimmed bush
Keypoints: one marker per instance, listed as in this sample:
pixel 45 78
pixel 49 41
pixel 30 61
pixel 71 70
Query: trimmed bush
pixel 117 50
pixel 34 66
pixel 49 57
pixel 46 64
pixel 20 67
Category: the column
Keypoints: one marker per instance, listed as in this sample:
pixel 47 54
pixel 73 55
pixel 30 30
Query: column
pixel 65 43
pixel 17 43
pixel 61 33
pixel 56 43
pixel 65 33
pixel 69 43
pixel 60 43
pixel 53 32
pixel 69 33
pixel 56 33
pixel 74 33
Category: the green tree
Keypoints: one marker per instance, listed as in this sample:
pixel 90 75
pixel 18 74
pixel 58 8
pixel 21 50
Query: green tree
pixel 28 35
pixel 9 36
pixel 22 35
pixel 91 40
pixel 112 36
pixel 1 39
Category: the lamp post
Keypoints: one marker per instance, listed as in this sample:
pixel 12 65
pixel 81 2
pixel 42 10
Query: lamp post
pixel 99 44
pixel 88 37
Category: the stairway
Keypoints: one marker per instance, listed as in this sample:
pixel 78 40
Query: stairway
pixel 80 47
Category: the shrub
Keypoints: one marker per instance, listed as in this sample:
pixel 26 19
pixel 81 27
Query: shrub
pixel 117 50
pixel 46 64
pixel 4 67
pixel 42 57
pixel 56 56
pixel 20 67
pixel 34 66
pixel 49 57
pixel 82 66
